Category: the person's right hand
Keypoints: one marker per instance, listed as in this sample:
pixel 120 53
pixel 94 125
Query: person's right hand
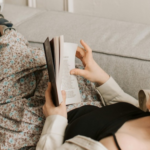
pixel 92 71
pixel 49 108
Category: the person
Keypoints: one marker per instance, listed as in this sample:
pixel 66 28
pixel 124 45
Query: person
pixel 119 125
pixel 88 127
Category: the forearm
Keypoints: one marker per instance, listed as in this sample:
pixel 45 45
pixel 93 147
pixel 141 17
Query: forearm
pixel 53 133
pixel 104 77
pixel 110 92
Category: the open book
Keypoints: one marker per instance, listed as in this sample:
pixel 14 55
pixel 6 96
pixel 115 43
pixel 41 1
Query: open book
pixel 60 58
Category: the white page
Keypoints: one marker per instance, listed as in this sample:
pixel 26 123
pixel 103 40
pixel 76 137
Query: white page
pixel 69 82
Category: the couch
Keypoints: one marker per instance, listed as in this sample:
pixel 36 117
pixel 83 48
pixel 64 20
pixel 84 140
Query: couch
pixel 120 48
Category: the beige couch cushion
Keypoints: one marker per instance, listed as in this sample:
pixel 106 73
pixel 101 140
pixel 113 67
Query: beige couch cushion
pixel 19 14
pixel 121 48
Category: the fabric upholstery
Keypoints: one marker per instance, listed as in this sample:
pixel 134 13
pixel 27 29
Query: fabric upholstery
pixel 23 82
pixel 18 14
pixel 103 35
pixel 120 48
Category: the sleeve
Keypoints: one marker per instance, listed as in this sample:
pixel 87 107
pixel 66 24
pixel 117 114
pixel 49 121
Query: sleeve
pixel 53 133
pixel 110 93
pixel 144 96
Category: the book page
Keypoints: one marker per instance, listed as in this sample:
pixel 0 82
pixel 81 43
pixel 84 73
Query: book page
pixel 69 82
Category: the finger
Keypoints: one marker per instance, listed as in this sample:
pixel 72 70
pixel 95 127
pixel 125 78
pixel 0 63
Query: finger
pixel 87 48
pixel 64 97
pixel 81 49
pixel 48 96
pixel 79 72
pixel 80 53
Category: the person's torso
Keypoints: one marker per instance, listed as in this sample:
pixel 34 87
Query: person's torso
pixel 122 119
pixel 132 135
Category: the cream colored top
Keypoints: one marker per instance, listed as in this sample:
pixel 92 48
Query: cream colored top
pixel 53 132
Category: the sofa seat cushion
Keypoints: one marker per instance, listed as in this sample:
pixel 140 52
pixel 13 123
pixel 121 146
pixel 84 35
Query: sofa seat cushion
pixel 121 48
pixel 19 14
pixel 103 35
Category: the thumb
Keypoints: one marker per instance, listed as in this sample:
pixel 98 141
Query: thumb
pixel 79 72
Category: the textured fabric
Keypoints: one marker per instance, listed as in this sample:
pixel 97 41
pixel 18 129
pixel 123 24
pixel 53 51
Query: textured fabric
pixel 144 96
pixel 103 35
pixel 52 133
pixel 5 22
pixel 122 43
pixel 98 123
pixel 82 143
pixel 23 81
pixel 132 75
pixel 110 92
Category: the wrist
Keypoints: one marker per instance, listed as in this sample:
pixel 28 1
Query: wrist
pixel 103 79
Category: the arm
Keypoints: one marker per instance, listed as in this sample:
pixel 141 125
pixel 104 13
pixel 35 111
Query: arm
pixel 56 121
pixel 110 93
pixel 53 133
pixel 109 90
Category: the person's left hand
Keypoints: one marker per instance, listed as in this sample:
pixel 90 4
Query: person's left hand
pixel 49 108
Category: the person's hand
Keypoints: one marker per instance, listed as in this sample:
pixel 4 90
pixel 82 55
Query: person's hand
pixel 49 108
pixel 91 71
